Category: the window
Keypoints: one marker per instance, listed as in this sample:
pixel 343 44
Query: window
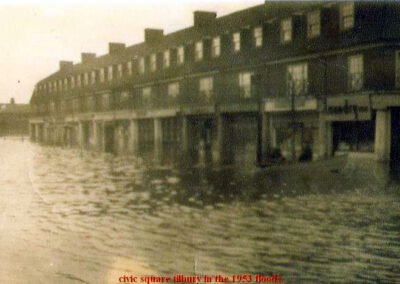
pixel 60 85
pixel 398 69
pixel 91 103
pixel 105 101
pixel 173 90
pixel 258 36
pixel 245 84
pixel 297 79
pixel 102 75
pixel 166 59
pixel 198 52
pixel 55 86
pixel 86 79
pixel 72 82
pixel 355 72
pixel 93 77
pixel 119 70
pixel 124 97
pixel 286 30
pixel 51 87
pixel 313 24
pixel 206 86
pixel 65 83
pixel 346 15
pixel 129 68
pixel 141 65
pixel 146 94
pixel 110 73
pixel 236 42
pixel 153 62
pixel 216 47
pixel 181 55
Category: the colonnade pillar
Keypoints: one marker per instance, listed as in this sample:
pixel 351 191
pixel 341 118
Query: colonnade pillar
pixel 133 136
pixel 382 135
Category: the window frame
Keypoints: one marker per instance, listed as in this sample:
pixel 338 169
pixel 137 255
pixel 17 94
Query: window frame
pixel 284 30
pixel 300 86
pixel 216 48
pixel 236 44
pixel 258 36
pixel 344 25
pixel 314 20
pixel 351 85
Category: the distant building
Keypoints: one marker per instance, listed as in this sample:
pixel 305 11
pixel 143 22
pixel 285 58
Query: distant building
pixel 14 119
pixel 297 77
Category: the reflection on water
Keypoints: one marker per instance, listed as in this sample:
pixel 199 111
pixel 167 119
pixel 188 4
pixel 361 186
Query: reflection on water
pixel 72 217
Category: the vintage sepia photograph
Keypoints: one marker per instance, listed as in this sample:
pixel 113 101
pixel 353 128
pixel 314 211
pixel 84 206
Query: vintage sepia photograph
pixel 199 141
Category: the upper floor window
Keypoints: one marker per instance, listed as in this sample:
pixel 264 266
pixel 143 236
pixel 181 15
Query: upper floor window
pixel 55 86
pixel 119 71
pixel 258 36
pixel 173 90
pixel 297 79
pixel 286 30
pixel 346 15
pixel 146 94
pixel 236 42
pixel 102 75
pixel 105 101
pixel 51 87
pixel 166 58
pixel 216 46
pixel 206 86
pixel 198 52
pixel 65 83
pixel 141 65
pixel 110 73
pixel 60 85
pixel 153 62
pixel 93 77
pixel 129 67
pixel 180 55
pixel 355 72
pixel 86 79
pixel 45 87
pixel 78 80
pixel 398 69
pixel 313 24
pixel 245 84
pixel 72 82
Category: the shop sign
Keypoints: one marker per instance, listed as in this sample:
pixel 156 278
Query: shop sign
pixel 349 108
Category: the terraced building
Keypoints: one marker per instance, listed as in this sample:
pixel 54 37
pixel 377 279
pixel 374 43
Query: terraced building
pixel 304 79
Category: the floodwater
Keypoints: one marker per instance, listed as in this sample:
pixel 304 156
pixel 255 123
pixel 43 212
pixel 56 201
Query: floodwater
pixel 72 217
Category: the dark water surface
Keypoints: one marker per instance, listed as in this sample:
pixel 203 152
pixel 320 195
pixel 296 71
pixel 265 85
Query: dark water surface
pixel 71 217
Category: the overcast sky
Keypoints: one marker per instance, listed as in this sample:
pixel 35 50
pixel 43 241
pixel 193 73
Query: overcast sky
pixel 36 35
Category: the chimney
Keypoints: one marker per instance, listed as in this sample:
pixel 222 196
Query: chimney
pixel 66 65
pixel 115 47
pixel 153 35
pixel 87 57
pixel 203 19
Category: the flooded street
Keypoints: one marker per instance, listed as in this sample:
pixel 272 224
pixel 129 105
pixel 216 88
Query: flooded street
pixel 72 217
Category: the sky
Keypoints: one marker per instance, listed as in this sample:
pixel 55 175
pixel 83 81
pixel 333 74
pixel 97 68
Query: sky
pixel 35 35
